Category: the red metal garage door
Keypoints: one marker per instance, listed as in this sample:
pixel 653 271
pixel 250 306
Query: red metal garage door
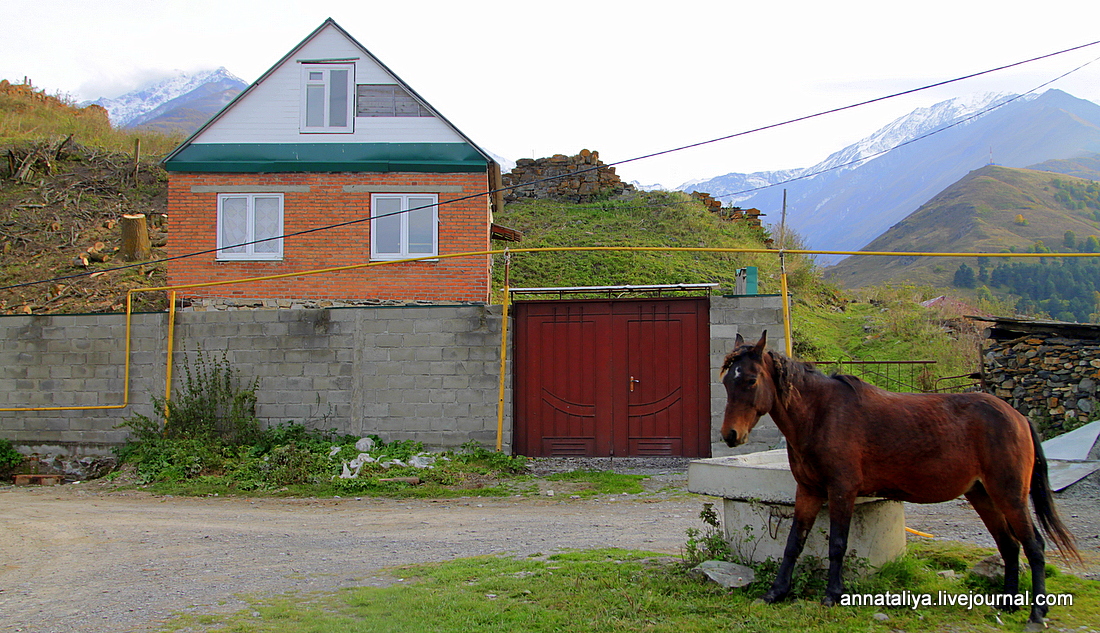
pixel 612 378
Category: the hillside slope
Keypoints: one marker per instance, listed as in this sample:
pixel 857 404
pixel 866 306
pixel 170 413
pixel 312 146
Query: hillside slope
pixel 640 219
pixel 64 183
pixel 979 213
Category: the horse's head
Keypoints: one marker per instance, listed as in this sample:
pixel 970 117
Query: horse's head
pixel 750 389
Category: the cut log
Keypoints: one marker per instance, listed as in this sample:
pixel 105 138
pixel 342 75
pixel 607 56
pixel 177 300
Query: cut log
pixel 135 238
pixel 81 260
pixel 98 256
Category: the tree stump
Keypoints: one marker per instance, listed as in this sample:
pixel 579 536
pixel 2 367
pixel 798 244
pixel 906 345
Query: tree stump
pixel 135 238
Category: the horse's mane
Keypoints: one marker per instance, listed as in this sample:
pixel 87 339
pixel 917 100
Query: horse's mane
pixel 792 375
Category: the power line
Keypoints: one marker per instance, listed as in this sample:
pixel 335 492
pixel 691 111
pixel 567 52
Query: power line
pixel 571 174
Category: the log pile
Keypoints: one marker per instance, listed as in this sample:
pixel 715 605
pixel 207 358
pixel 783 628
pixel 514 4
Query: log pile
pixel 580 178
pixel 1049 377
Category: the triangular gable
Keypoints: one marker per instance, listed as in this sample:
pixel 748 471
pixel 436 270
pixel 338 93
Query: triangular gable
pixel 292 151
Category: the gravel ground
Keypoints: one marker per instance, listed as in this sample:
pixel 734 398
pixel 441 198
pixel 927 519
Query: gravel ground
pixel 81 557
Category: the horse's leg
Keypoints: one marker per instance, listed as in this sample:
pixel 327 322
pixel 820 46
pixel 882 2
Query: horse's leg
pixel 841 506
pixel 806 507
pixel 1036 560
pixel 1006 543
pixel 1013 505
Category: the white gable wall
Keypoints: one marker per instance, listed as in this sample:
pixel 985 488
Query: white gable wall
pixel 270 112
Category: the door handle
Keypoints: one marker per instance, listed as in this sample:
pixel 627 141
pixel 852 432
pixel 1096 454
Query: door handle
pixel 632 381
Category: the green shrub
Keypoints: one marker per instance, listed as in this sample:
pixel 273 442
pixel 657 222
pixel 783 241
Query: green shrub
pixel 212 405
pixel 10 458
pixel 474 454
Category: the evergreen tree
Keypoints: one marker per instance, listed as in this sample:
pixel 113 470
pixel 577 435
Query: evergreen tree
pixel 964 277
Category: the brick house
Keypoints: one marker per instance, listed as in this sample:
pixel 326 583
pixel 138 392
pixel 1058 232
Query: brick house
pixel 330 135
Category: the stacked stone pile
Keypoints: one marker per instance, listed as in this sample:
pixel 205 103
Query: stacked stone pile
pixel 597 180
pixel 1049 378
pixel 714 205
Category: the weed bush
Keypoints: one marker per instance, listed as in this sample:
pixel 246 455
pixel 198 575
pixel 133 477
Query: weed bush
pixel 212 406
pixel 10 458
pixel 207 438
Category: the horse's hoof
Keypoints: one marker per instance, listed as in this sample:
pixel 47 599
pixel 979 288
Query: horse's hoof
pixel 830 601
pixel 772 597
pixel 1010 608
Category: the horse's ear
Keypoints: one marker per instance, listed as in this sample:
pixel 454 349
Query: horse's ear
pixel 739 341
pixel 759 349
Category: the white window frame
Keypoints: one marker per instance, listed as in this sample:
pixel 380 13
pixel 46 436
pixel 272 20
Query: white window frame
pixel 250 253
pixel 311 82
pixel 403 253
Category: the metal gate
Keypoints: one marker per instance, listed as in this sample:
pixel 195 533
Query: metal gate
pixel 612 378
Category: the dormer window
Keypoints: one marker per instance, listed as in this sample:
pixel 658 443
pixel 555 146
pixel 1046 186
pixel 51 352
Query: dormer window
pixel 327 98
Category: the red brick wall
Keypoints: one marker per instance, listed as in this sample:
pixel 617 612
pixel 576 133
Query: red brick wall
pixel 463 227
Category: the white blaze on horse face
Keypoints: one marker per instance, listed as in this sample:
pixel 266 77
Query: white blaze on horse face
pixel 736 373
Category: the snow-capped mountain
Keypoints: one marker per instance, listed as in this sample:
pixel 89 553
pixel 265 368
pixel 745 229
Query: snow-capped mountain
pixel 157 99
pixel 736 187
pixel 857 193
pixel 653 187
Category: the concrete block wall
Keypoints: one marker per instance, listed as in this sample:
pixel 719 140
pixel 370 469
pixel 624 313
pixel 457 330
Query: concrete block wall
pixel 420 372
pixel 749 316
pixel 427 373
pixel 49 361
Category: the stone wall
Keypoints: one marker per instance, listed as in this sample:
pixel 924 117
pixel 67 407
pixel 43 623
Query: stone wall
pixel 596 180
pixel 1049 377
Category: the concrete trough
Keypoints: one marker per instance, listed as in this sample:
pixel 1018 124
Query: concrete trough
pixel 757 492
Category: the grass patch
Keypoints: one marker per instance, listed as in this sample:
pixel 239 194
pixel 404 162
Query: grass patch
pixel 624 590
pixel 601 482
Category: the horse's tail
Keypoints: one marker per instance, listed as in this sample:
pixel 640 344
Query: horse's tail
pixel 1042 498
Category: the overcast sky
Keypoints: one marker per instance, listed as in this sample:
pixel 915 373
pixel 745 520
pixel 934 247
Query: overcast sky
pixel 530 79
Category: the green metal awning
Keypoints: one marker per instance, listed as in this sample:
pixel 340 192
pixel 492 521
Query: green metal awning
pixel 327 157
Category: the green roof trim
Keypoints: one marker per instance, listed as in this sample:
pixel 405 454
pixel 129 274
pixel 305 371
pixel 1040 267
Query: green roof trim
pixel 327 157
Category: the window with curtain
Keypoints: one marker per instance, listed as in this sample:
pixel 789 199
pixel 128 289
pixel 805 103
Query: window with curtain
pixel 244 218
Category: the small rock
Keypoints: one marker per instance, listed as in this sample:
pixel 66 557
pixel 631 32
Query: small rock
pixel 991 567
pixel 881 617
pixel 947 573
pixel 729 575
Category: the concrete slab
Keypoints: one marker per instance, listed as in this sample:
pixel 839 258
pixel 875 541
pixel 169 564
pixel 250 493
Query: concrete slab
pixel 1075 445
pixel 758 531
pixel 762 476
pixel 758 506
pixel 1064 474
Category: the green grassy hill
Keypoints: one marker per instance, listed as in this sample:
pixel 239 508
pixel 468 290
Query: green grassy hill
pixel 640 219
pixel 993 209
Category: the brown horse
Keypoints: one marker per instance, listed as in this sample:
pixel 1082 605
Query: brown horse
pixel 848 439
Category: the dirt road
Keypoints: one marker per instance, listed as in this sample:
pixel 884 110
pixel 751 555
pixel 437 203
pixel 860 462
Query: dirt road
pixel 73 561
pixel 76 559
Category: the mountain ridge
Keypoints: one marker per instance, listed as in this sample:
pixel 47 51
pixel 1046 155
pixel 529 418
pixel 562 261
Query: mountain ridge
pixel 846 209
pixel 153 104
